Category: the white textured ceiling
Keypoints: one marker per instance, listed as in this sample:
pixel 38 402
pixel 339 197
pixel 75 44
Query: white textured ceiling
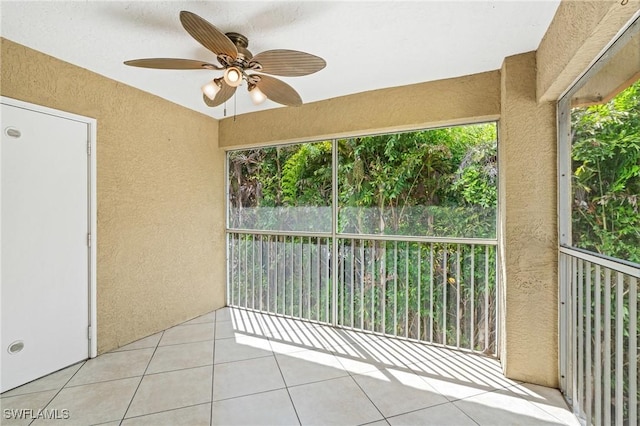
pixel 367 45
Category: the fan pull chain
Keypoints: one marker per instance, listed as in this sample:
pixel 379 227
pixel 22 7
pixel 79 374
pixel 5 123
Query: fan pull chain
pixel 235 104
pixel 225 109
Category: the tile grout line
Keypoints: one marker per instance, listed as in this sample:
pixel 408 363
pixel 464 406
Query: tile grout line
pixel 244 359
pixel 493 388
pixel 178 344
pixel 213 366
pixel 67 386
pixel 101 381
pixel 531 402
pixel 185 324
pixel 411 411
pixel 365 393
pixel 281 388
pixel 553 415
pixel 374 422
pixel 432 406
pixel 465 413
pixel 43 390
pixel 480 390
pixel 406 365
pixel 124 416
pixel 171 370
pixel 155 412
pixel 285 385
pixel 60 390
pixel 250 394
pixel 499 390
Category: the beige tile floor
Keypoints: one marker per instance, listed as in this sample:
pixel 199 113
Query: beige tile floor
pixel 233 367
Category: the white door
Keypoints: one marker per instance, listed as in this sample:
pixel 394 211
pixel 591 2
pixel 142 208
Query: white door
pixel 45 255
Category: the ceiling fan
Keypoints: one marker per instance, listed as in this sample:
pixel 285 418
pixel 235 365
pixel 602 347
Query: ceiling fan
pixel 239 65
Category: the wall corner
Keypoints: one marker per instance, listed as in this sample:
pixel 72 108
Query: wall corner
pixel 528 227
pixel 579 32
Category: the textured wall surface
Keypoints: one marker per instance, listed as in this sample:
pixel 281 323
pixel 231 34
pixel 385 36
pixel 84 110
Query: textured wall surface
pixel 161 243
pixel 528 227
pixel 579 32
pixel 160 195
pixel 451 101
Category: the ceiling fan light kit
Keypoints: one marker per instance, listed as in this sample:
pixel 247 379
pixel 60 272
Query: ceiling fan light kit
pixel 233 76
pixel 257 97
pixel 212 88
pixel 239 65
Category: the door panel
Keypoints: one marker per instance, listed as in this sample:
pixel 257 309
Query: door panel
pixel 45 283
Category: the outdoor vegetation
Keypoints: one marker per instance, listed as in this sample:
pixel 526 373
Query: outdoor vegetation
pixel 606 220
pixel 395 266
pixel 606 176
pixel 433 183
pixel 440 182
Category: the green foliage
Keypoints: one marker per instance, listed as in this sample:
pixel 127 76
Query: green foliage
pixel 477 175
pixel 606 176
pixel 306 176
pixel 407 289
pixel 439 182
pixel 433 183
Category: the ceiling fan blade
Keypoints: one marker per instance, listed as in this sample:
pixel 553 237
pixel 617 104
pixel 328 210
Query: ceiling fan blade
pixel 171 64
pixel 225 93
pixel 288 63
pixel 208 35
pixel 278 91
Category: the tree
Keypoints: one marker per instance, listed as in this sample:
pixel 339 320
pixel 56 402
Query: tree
pixel 606 176
pixel 415 183
pixel 439 182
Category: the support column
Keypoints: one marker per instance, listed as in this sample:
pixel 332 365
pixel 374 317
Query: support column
pixel 528 255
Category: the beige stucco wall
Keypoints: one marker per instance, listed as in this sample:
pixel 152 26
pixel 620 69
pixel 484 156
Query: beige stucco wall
pixel 528 227
pixel 160 195
pixel 579 32
pixel 527 163
pixel 450 101
pixel 160 176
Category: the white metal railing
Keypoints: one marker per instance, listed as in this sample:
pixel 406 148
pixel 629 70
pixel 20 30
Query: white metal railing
pixel 281 274
pixel 599 337
pixel 439 291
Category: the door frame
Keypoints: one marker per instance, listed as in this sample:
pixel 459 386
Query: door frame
pixel 91 123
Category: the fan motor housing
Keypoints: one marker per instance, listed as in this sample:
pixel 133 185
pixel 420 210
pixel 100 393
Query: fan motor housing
pixel 241 42
pixel 234 57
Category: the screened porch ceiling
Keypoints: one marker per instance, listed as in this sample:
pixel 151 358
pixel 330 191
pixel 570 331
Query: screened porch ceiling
pixel 367 45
